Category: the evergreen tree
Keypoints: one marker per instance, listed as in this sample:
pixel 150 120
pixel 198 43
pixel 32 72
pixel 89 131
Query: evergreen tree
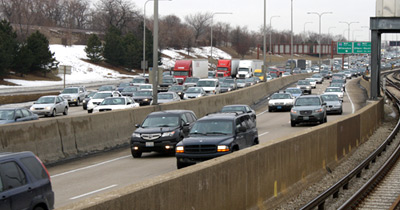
pixel 94 48
pixel 133 51
pixel 38 44
pixel 114 51
pixel 23 60
pixel 8 47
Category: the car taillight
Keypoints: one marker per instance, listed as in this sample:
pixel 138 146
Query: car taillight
pixel 47 172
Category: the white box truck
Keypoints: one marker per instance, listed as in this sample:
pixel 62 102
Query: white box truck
pixel 247 67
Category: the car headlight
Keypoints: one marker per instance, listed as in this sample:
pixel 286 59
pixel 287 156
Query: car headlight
pixel 136 135
pixel 199 95
pixel 168 134
pixel 84 101
pixel 180 149
pixel 146 99
pixel 271 103
pixel 293 111
pixel 222 148
pixel 31 108
pixel 229 89
pixel 185 96
pixel 47 108
pixel 319 110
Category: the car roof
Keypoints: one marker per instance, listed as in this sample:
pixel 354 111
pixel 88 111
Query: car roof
pixel 177 111
pixel 223 116
pixel 234 105
pixel 309 96
pixel 15 154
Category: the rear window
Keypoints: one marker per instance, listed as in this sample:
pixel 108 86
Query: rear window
pixel 34 167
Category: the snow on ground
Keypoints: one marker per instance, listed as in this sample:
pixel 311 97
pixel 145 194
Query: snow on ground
pixel 83 72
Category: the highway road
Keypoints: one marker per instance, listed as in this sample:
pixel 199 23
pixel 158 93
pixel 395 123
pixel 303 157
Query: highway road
pixel 103 172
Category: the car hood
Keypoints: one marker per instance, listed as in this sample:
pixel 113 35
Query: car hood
pixel 332 103
pixel 192 94
pixel 2 122
pixel 142 97
pixel 281 100
pixel 301 108
pixel 69 94
pixel 155 129
pixel 41 105
pixel 97 100
pixel 165 100
pixel 203 139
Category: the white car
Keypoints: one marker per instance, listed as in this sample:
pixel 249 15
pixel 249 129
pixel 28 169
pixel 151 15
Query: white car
pixel 280 101
pixel 166 97
pixel 313 82
pixel 334 90
pixel 115 103
pixel 211 86
pixel 99 97
pixel 286 74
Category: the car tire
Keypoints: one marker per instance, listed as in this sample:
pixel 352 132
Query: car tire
pixel 89 111
pixel 341 111
pixel 38 208
pixel 65 111
pixel 180 164
pixel 269 109
pixel 77 102
pixel 53 113
pixel 136 154
pixel 293 124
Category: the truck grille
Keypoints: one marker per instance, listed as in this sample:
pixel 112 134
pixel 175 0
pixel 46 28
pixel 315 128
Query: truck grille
pixel 200 149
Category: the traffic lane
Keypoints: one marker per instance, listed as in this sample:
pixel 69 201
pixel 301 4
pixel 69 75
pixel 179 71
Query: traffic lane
pixel 105 172
pixel 112 170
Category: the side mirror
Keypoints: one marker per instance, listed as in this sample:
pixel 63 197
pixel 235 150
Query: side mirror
pixel 137 125
pixel 324 104
pixel 242 129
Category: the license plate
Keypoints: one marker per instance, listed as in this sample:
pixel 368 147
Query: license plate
pixel 149 144
pixel 305 118
pixel 279 107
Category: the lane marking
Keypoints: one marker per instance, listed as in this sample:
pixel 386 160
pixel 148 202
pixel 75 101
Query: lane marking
pixel 91 166
pixel 262 113
pixel 263 134
pixel 352 104
pixel 93 192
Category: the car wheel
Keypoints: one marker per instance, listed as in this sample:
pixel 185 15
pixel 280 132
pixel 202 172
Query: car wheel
pixel 325 119
pixel 180 164
pixel 293 124
pixel 269 109
pixel 77 102
pixel 136 154
pixel 65 111
pixel 89 111
pixel 38 208
pixel 341 111
pixel 53 113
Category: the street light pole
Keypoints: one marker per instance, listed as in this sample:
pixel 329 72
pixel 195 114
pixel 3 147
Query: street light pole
pixel 320 48
pixel 212 17
pixel 291 37
pixel 348 37
pixel 144 35
pixel 155 54
pixel 270 35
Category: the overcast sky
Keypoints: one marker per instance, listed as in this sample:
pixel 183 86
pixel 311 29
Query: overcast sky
pixel 250 13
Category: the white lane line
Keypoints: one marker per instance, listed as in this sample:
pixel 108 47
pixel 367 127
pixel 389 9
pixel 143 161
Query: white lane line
pixel 262 113
pixel 91 166
pixel 263 134
pixel 352 104
pixel 93 192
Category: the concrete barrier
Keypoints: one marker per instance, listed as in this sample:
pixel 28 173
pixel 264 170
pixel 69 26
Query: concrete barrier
pixel 366 85
pixel 255 178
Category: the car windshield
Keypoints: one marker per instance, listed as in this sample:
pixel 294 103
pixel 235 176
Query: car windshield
pixel 249 79
pixel 176 88
pixel 280 96
pixel 232 81
pixel 167 81
pixel 258 74
pixel 91 94
pixel 332 90
pixel 308 101
pixel 6 114
pixel 144 93
pixel 141 87
pixel 46 100
pixel 161 121
pixel 106 88
pixel 123 84
pixel 240 81
pixel 206 83
pixel 70 90
pixel 303 82
pixel 165 96
pixel 191 80
pixel 193 90
pixel 138 80
pixel 336 85
pixel 130 89
pixel 233 109
pixel 181 73
pixel 113 101
pixel 337 81
pixel 212 127
pixel 316 76
pixel 294 91
pixel 225 84
pixel 330 97
pixel 101 95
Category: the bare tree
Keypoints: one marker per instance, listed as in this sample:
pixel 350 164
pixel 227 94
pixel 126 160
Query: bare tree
pixel 76 14
pixel 241 41
pixel 199 22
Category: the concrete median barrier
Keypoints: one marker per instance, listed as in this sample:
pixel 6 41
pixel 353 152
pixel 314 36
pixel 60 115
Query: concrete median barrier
pixel 259 177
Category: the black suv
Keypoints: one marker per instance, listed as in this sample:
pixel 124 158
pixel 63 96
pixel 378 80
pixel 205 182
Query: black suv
pixel 160 131
pixel 24 182
pixel 216 135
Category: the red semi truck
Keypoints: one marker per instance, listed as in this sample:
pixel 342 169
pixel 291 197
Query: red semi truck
pixel 190 68
pixel 227 68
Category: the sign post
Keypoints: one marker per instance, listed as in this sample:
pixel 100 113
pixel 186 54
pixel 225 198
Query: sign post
pixel 64 69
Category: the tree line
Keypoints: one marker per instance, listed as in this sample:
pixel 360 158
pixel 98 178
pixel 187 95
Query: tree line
pixel 23 56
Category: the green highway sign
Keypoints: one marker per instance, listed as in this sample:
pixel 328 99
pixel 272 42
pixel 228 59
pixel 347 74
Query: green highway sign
pixel 345 47
pixel 353 48
pixel 362 47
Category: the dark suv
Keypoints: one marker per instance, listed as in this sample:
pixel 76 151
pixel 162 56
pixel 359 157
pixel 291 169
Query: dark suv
pixel 310 108
pixel 24 182
pixel 215 135
pixel 160 131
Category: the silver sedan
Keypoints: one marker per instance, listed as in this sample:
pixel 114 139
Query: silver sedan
pixel 50 106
